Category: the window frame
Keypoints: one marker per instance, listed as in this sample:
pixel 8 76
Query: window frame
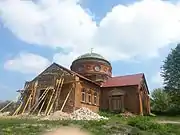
pixel 83 95
pixel 95 97
pixel 89 98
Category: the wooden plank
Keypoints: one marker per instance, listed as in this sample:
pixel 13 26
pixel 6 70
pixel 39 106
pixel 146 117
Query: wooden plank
pixel 17 110
pixel 29 98
pixel 60 83
pixel 45 93
pixel 49 101
pixel 66 99
pixel 41 107
pixel 58 94
pixel 74 81
pixel 6 106
pixel 9 103
pixel 40 99
pixel 34 91
pixel 140 105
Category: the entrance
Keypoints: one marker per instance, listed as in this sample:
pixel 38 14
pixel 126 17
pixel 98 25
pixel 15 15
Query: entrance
pixel 45 100
pixel 116 103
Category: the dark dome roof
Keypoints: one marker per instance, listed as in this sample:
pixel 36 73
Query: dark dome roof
pixel 91 55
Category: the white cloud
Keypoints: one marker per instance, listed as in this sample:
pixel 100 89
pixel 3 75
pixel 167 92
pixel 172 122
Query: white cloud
pixel 64 59
pixel 157 79
pixel 27 63
pixel 141 28
pixel 48 22
pixel 137 30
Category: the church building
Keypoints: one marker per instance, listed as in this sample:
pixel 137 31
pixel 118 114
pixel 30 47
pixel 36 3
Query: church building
pixel 88 83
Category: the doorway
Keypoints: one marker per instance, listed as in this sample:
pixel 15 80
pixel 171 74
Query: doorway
pixel 45 100
pixel 116 103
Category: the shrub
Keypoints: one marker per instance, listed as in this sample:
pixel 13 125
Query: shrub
pixel 106 113
pixel 147 124
pixel 142 123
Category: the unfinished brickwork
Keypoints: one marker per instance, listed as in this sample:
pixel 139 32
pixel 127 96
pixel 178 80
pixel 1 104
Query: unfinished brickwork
pixel 91 93
pixel 58 88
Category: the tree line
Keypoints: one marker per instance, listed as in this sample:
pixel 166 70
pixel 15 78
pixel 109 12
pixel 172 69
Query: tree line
pixel 11 107
pixel 166 100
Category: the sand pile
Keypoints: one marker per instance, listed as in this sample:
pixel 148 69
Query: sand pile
pixel 68 131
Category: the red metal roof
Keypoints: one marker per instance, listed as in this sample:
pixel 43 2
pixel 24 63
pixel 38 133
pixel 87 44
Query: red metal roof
pixel 127 80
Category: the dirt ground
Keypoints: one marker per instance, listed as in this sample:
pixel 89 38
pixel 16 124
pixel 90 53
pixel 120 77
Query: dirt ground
pixel 67 131
pixel 169 122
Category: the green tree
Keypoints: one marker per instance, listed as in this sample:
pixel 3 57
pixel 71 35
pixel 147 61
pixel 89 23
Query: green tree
pixel 159 100
pixel 171 75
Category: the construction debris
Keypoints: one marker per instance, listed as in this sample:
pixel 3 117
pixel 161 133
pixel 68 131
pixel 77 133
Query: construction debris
pixel 127 114
pixel 85 114
pixel 58 115
pixel 80 114
pixel 4 114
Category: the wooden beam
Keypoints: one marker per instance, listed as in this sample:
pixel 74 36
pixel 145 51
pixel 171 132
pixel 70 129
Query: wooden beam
pixel 56 100
pixel 49 101
pixel 6 106
pixel 9 104
pixel 17 110
pixel 34 91
pixel 40 99
pixel 27 102
pixel 74 81
pixel 41 107
pixel 58 93
pixel 66 99
pixel 140 104
pixel 46 92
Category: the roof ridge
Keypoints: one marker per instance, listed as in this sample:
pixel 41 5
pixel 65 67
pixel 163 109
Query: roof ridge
pixel 128 75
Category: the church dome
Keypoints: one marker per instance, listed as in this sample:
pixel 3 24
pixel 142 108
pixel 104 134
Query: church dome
pixel 91 55
pixel 93 66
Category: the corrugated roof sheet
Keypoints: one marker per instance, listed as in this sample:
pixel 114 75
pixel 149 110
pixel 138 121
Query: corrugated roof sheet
pixel 127 80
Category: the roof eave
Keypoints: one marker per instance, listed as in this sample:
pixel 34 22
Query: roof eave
pixel 144 78
pixel 118 86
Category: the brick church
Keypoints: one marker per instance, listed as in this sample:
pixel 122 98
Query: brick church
pixel 90 76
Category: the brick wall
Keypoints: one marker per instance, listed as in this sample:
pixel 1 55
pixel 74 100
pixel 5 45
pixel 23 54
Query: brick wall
pixel 89 87
pixel 69 106
pixel 131 100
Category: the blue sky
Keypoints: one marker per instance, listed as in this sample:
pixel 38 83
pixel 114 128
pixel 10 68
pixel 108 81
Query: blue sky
pixel 33 35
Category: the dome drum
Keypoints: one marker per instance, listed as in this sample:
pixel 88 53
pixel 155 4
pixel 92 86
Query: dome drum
pixel 92 66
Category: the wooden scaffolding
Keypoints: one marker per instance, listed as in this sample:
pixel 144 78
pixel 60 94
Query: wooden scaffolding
pixel 42 97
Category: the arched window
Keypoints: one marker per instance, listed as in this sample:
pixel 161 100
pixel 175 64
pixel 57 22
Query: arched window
pixel 95 98
pixel 83 95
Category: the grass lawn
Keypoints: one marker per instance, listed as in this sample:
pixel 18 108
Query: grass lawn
pixel 116 124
